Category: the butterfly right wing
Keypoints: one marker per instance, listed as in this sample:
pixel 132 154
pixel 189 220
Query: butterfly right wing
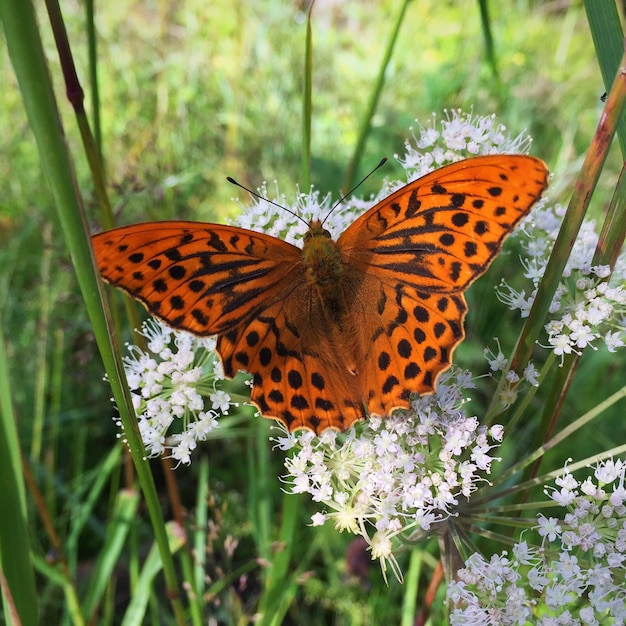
pixel 417 251
pixel 199 277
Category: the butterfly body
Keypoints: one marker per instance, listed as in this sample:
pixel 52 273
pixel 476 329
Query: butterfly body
pixel 335 330
pixel 326 271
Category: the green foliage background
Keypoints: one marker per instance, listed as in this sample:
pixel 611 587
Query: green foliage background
pixel 191 92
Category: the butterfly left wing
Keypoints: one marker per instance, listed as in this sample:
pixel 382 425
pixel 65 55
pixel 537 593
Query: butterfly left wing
pixel 250 290
pixel 418 250
pixel 199 277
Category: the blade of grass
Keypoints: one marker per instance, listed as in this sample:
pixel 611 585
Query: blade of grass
pixel 56 547
pixel 15 551
pixel 490 51
pixel 307 106
pixel 273 605
pixel 120 520
pixel 260 488
pixel 608 39
pixel 92 50
pixel 85 508
pixel 54 575
pixel 43 336
pixel 411 587
pixel 143 590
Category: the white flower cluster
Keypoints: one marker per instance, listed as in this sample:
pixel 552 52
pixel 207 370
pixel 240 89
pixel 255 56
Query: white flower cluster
pixel 576 573
pixel 174 390
pixel 586 308
pixel 291 224
pixel 395 476
pixel 462 135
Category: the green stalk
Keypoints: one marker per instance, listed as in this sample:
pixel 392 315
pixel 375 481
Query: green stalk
pixel 18 588
pixel 613 231
pixel 307 106
pixel 75 95
pixel 26 53
pixel 93 76
pixel 490 51
pixel 366 125
pixel 199 536
pixel 552 406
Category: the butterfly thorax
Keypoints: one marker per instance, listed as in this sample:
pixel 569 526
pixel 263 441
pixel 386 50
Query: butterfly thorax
pixel 324 269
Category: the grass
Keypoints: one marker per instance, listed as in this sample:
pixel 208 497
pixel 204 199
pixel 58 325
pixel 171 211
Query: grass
pixel 191 93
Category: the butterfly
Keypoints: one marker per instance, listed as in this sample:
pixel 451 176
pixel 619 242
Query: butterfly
pixel 336 330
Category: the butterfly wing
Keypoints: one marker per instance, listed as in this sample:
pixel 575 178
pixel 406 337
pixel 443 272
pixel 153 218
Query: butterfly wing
pixel 202 278
pixel 250 290
pixel 418 250
pixel 298 364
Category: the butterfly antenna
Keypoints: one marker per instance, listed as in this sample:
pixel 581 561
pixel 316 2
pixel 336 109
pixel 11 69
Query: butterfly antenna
pixel 380 164
pixel 232 181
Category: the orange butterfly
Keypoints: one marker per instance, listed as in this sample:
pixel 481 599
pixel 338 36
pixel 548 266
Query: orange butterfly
pixel 339 329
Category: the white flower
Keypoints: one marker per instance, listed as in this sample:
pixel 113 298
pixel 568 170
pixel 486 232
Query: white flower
pixel 168 388
pixel 613 340
pixel 318 519
pixel 561 583
pixel 399 475
pixel 548 527
pixel 588 303
pixel 531 374
pixel 462 135
pixel 497 362
pixel 220 401
pixel 381 546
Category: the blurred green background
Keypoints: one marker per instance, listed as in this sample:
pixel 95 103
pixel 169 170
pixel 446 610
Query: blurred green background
pixel 191 92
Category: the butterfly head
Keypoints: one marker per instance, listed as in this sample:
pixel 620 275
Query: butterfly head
pixel 316 229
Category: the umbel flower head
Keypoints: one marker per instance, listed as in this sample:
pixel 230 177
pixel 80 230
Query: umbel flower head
pixel 174 386
pixel 589 306
pixel 570 569
pixel 398 477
